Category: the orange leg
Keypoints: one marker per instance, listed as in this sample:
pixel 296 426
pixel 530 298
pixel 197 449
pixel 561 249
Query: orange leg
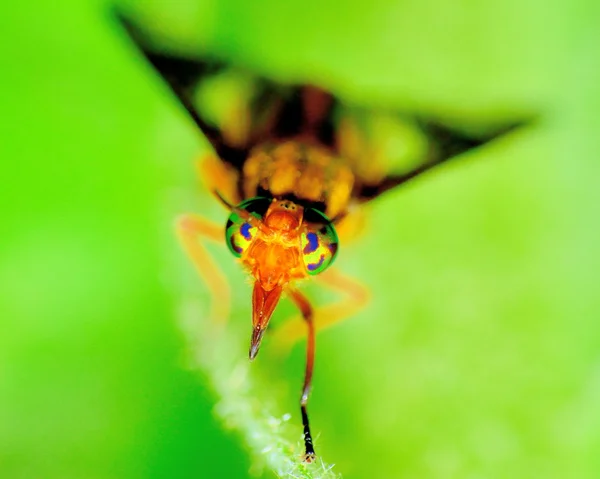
pixel 219 176
pixel 355 297
pixel 190 230
pixel 307 314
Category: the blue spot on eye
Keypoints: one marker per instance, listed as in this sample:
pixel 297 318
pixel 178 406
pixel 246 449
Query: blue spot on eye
pixel 313 243
pixel 314 266
pixel 245 231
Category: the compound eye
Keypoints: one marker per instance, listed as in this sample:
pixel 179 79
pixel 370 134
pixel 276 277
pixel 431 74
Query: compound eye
pixel 239 233
pixel 319 242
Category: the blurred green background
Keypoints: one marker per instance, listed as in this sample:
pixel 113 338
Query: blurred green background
pixel 479 356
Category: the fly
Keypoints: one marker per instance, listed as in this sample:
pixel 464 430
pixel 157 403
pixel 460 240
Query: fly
pixel 291 173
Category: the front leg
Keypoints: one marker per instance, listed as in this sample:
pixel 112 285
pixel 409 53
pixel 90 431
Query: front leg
pixel 191 229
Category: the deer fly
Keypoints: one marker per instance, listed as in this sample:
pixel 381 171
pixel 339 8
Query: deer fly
pixel 292 170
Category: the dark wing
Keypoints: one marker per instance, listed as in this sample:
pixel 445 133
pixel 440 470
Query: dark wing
pixel 184 75
pixel 444 143
pixel 279 111
pixel 275 110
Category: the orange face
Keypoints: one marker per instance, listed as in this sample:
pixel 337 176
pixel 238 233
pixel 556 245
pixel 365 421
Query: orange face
pixel 278 242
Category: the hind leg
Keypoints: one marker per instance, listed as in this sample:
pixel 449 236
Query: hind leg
pixel 355 296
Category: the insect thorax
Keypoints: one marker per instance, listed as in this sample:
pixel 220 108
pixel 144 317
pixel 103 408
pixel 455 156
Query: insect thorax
pixel 308 173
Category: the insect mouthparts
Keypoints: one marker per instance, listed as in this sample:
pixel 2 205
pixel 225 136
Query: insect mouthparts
pixel 257 334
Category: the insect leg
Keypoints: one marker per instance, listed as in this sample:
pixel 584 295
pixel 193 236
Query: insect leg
pixel 355 297
pixel 190 229
pixel 307 314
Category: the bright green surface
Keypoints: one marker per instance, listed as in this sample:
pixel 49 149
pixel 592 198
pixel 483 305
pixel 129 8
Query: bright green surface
pixel 478 356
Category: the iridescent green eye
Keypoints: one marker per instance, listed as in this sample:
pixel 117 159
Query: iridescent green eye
pixel 319 242
pixel 239 234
